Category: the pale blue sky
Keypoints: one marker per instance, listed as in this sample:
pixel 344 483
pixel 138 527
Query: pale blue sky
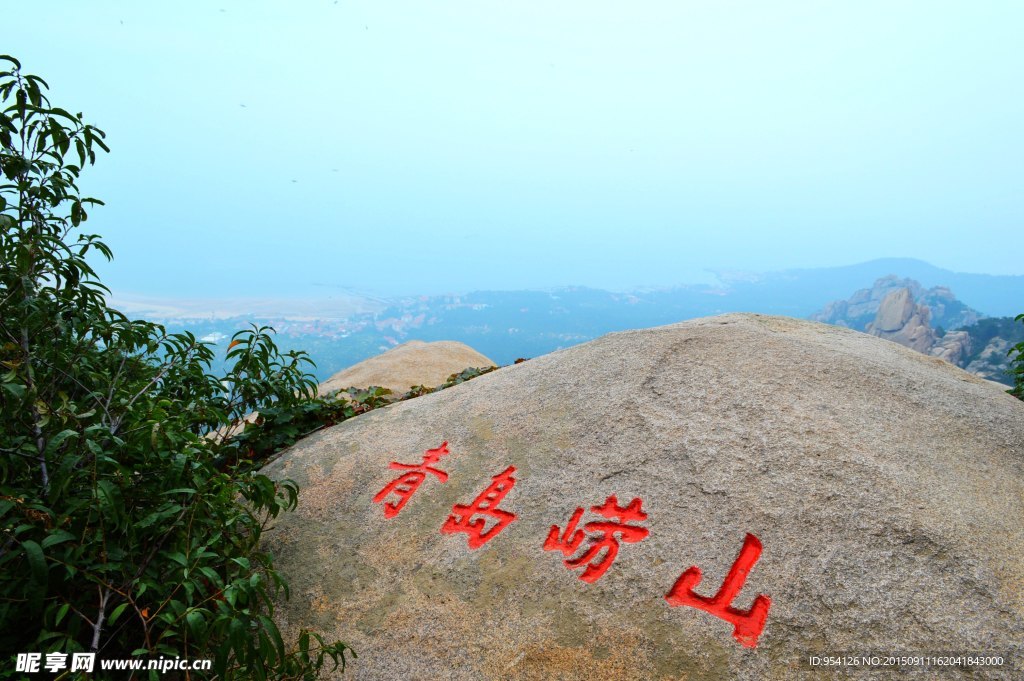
pixel 266 148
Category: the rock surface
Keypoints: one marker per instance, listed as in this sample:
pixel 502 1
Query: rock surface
pixel 886 487
pixel 409 364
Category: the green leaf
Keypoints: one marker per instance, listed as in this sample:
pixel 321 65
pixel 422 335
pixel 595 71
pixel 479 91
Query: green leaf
pixel 107 492
pixel 272 631
pixel 179 558
pixel 57 537
pixel 16 389
pixel 210 574
pixel 56 441
pixel 36 561
pixel 195 621
pixel 117 613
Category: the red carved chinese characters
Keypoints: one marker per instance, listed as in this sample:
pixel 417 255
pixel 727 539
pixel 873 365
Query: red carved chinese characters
pixel 482 520
pixel 570 541
pixel 406 484
pixel 748 624
pixel 486 505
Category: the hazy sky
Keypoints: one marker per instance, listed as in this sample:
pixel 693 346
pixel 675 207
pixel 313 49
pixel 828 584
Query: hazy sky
pixel 288 148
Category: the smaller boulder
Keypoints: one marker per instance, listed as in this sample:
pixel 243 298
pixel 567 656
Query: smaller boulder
pixel 410 364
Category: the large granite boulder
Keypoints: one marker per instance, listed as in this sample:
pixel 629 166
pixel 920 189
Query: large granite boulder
pixel 407 365
pixel 843 493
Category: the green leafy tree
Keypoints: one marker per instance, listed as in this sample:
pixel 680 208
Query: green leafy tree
pixel 1016 370
pixel 129 524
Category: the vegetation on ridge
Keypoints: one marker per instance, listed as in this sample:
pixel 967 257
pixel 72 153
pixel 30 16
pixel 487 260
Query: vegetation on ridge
pixel 281 425
pixel 1016 370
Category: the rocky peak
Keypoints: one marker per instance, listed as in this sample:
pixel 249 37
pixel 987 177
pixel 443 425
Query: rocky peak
pixel 903 311
pixel 901 320
pixel 860 309
pixel 895 310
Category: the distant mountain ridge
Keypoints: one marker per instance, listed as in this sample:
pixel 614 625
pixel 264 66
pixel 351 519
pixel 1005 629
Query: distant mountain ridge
pixel 795 292
pixel 995 295
pixel 509 324
pixel 506 325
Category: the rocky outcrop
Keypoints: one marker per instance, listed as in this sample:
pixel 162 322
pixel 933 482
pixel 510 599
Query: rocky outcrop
pixel 861 496
pixel 862 307
pixel 947 311
pixel 954 347
pixel 993 361
pixel 410 364
pixel 900 320
pixel 894 312
pixel 901 310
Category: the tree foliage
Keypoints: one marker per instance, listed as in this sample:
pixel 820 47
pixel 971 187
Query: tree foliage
pixel 128 526
pixel 1016 370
